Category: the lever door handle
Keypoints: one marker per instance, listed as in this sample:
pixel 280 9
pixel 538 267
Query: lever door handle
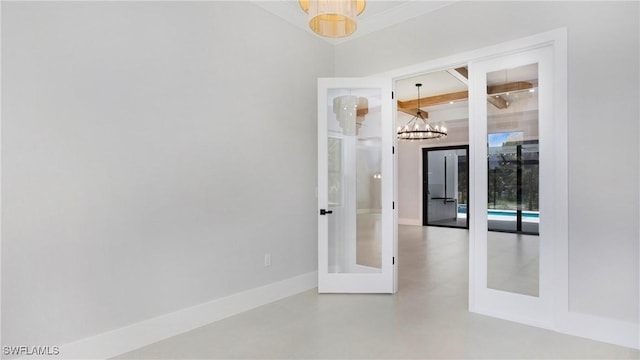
pixel 325 212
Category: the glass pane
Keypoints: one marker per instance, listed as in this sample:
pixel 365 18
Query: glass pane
pixel 354 162
pixel 502 182
pixel 335 171
pixel 446 192
pixel 513 163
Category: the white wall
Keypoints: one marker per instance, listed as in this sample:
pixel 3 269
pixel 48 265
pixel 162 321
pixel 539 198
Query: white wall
pixel 152 153
pixel 125 196
pixel 603 47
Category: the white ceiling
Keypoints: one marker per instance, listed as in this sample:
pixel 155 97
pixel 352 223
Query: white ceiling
pixel 437 83
pixel 378 14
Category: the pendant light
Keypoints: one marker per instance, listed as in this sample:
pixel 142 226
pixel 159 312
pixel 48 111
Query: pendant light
pixel 418 129
pixel 333 18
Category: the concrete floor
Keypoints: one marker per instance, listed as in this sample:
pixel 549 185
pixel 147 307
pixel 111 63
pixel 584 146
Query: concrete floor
pixel 426 319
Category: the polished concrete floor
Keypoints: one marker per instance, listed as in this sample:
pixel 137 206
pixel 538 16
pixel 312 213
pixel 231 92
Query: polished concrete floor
pixel 426 319
pixel 496 225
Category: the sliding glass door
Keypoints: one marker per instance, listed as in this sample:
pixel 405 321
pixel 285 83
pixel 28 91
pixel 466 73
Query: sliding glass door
pixel 446 186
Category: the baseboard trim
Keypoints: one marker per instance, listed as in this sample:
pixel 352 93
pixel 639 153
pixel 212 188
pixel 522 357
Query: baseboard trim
pixel 128 338
pixel 405 221
pixel 607 330
pixel 514 318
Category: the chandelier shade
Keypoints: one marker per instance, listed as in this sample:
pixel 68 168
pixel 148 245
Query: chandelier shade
pixel 418 129
pixel 333 18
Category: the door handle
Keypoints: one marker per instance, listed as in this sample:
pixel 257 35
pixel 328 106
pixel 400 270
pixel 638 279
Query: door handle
pixel 325 212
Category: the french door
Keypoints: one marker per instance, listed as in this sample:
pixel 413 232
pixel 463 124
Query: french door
pixel 356 220
pixel 512 149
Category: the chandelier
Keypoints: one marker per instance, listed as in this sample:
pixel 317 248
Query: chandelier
pixel 333 18
pixel 418 129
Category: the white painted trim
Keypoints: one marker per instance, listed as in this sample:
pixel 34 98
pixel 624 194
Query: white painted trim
pixel 350 281
pixel 135 336
pixel 525 309
pixel 367 25
pixel 565 321
pixel 407 221
pixel 598 328
pixel 396 211
pixel 1 342
pixel 461 59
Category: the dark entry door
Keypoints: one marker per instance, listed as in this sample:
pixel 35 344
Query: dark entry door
pixel 445 189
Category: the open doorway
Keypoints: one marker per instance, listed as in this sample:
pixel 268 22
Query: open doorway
pixel 433 174
pixel 503 95
pixel 444 103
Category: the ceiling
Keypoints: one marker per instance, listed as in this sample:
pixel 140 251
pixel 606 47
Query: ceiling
pixel 377 14
pixel 380 14
pixel 443 93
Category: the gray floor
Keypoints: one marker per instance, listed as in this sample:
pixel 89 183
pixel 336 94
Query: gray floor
pixel 426 319
pixel 497 225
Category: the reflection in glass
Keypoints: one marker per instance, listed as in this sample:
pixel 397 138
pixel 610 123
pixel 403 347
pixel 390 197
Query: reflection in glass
pixel 513 183
pixel 355 192
pixel 513 214
pixel 513 263
pixel 334 164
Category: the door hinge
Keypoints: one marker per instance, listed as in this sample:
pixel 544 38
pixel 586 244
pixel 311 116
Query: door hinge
pixel 393 205
pixel 392 95
pixel 393 149
pixel 393 261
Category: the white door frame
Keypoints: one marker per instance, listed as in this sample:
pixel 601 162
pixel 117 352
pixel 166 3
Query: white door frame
pixel 566 321
pixel 557 40
pixel 532 310
pixel 357 279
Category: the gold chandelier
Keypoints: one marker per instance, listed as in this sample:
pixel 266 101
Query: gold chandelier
pixel 333 18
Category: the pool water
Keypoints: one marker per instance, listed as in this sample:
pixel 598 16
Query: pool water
pixel 462 209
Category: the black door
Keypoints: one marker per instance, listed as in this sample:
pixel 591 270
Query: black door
pixel 445 188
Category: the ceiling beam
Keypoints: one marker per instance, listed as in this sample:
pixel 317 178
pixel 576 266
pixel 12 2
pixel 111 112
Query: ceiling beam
pixel 414 112
pixel 498 101
pixel 492 91
pixel 433 100
pixel 461 73
pixel 509 87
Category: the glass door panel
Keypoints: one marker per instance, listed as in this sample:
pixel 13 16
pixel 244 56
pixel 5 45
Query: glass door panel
pixel 445 177
pixel 355 159
pixel 512 141
pixel 512 126
pixel 355 226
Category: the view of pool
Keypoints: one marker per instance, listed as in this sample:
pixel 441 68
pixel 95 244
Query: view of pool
pixel 462 210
